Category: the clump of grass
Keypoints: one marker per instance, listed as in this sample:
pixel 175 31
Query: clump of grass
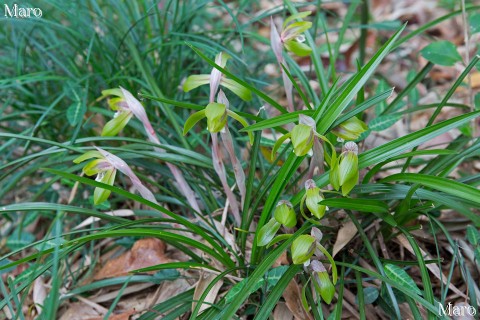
pixel 290 175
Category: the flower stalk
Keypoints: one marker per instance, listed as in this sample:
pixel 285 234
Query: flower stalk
pixel 217 114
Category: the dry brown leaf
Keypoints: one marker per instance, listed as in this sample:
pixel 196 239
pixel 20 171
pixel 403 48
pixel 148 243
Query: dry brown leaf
pixel 281 312
pixel 144 253
pixel 345 235
pixel 125 315
pixel 39 293
pixel 203 282
pixel 139 287
pixel 79 311
pixel 293 300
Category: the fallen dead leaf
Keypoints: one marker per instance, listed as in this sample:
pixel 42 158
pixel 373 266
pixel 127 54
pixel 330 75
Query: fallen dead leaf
pixel 125 315
pixel 39 294
pixel 345 235
pixel 79 311
pixel 144 253
pixel 293 301
pixel 462 315
pixel 202 284
pixel 282 313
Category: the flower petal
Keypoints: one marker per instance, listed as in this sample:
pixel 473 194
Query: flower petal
pixel 303 248
pixel 100 194
pixel 276 41
pixel 295 29
pixel 88 155
pixel 114 126
pixel 285 214
pixel 216 114
pixel 192 120
pixel 299 15
pixel 138 110
pixel 238 89
pixel 216 75
pixel 96 166
pixel 195 81
pixel 300 49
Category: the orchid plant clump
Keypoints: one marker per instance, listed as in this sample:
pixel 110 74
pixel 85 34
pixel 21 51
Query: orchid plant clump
pixel 306 142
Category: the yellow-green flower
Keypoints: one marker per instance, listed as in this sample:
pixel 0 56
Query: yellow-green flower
pixel 321 280
pixel 285 214
pixel 291 37
pixel 344 171
pixel 216 114
pixel 105 166
pixel 104 170
pixel 350 129
pixel 312 197
pixel 303 136
pixel 303 248
pixel 126 106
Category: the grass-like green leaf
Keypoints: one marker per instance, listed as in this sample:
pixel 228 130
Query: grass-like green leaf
pixel 354 85
pixel 448 186
pixel 397 146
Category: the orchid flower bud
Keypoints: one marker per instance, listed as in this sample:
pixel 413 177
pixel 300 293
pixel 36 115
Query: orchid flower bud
pixel 344 172
pixel 303 248
pixel 313 196
pixel 285 214
pixel 350 129
pixel 303 136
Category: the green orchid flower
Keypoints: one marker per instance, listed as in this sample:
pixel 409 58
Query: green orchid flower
pixel 344 171
pixel 303 248
pixel 216 114
pixel 126 106
pixel 321 281
pixel 303 137
pixel 105 166
pixel 104 170
pixel 291 37
pixel 216 79
pixel 312 197
pixel 285 214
